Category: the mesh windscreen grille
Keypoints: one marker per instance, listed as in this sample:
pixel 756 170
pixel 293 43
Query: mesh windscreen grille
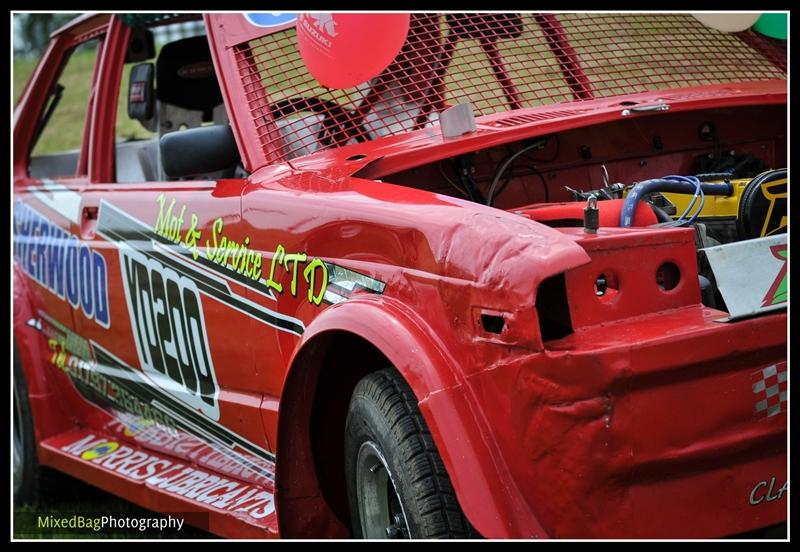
pixel 494 61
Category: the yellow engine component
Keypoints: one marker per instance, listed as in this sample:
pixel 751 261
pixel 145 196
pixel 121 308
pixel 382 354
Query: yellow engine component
pixel 776 219
pixel 715 206
pixel 758 206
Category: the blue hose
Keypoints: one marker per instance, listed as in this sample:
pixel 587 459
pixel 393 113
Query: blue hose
pixel 670 184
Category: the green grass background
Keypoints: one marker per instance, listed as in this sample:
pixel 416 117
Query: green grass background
pixel 65 129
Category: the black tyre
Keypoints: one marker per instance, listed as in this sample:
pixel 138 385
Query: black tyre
pixel 754 205
pixel 397 485
pixel 27 472
pixel 34 484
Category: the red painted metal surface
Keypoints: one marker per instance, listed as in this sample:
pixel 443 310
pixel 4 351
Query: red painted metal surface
pixel 642 428
pixel 639 422
pixel 102 139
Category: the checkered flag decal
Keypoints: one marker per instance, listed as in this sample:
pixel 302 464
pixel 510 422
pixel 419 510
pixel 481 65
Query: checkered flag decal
pixel 769 388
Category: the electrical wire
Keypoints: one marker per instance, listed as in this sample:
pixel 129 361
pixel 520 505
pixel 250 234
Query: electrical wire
pixel 503 168
pixel 544 182
pixel 702 204
pixel 533 168
pixel 510 171
pixel 555 155
pixel 698 193
pixel 506 182
pixel 447 178
pixel 534 171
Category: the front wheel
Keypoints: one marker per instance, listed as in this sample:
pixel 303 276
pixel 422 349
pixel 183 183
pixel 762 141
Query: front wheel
pixel 34 484
pixel 397 485
pixel 27 472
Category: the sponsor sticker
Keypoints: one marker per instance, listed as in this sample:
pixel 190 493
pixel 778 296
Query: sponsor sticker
pixel 100 450
pixel 169 330
pixel 145 413
pixel 770 390
pixel 238 258
pixel 270 19
pixel 174 478
pixel 62 264
pixel 768 491
pixel 751 275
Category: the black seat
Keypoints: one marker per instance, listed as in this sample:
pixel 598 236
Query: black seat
pixel 188 96
pixel 185 77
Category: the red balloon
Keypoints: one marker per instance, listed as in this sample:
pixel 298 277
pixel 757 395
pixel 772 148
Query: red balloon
pixel 342 50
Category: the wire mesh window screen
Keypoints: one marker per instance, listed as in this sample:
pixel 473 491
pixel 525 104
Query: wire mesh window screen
pixel 623 54
pixel 494 61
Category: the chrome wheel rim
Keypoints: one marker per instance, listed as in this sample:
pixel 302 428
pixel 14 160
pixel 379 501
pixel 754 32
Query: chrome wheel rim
pixel 380 510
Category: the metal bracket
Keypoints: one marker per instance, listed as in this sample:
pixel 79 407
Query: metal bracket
pixel 457 120
pixel 645 109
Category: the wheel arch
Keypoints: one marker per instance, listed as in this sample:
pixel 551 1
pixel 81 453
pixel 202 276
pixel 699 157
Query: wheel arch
pixel 336 351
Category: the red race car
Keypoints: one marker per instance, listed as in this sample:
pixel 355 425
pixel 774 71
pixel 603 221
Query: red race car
pixel 454 300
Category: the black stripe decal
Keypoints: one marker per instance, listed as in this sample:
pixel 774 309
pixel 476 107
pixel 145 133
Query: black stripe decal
pixel 137 229
pixel 119 227
pixel 135 383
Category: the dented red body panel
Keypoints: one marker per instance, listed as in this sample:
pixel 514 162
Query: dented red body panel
pixel 639 423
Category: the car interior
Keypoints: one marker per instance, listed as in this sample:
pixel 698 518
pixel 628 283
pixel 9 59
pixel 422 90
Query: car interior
pixel 178 93
pixel 178 98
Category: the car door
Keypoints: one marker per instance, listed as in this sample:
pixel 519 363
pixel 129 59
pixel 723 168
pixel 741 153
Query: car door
pixel 177 369
pixel 63 276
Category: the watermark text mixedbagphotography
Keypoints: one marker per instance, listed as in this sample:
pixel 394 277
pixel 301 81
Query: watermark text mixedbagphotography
pixel 107 522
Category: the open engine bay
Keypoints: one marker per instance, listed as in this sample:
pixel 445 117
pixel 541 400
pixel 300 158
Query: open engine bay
pixel 719 171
